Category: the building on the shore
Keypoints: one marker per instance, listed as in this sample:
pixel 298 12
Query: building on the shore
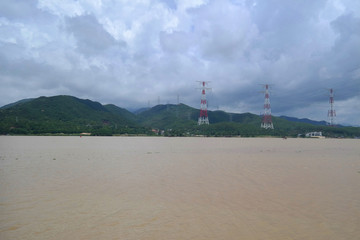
pixel 314 135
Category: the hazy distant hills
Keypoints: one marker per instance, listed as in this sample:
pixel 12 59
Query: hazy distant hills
pixel 71 115
pixel 304 120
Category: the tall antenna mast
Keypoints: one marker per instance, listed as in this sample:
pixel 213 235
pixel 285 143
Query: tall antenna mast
pixel 267 122
pixel 331 111
pixel 203 118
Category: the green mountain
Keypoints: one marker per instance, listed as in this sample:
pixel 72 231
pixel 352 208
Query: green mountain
pixel 66 114
pixel 71 115
pixel 180 120
pixel 174 116
pixel 121 112
pixel 168 116
pixel 16 103
pixel 304 120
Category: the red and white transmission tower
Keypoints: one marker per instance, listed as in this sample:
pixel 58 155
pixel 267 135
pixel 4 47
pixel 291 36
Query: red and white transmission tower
pixel 267 122
pixel 203 118
pixel 331 111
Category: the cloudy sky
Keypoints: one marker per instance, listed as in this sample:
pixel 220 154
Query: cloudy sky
pixel 134 53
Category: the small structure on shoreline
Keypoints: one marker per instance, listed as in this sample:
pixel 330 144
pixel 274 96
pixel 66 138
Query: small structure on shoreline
pixel 85 134
pixel 314 135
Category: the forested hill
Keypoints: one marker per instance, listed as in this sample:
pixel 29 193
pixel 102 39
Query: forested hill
pixel 71 115
pixel 65 114
pixel 180 120
pixel 177 116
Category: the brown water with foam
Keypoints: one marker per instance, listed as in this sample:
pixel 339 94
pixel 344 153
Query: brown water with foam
pixel 179 188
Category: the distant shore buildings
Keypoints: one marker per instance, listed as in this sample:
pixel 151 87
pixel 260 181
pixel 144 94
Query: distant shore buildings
pixel 314 135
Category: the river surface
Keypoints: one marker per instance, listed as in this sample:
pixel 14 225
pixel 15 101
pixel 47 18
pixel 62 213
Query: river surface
pixel 179 188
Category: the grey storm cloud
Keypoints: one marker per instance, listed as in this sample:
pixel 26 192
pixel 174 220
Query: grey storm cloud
pixel 90 35
pixel 18 9
pixel 133 52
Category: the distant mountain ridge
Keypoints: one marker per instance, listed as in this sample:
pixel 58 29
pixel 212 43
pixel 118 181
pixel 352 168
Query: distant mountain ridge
pixel 71 115
pixel 215 116
pixel 304 120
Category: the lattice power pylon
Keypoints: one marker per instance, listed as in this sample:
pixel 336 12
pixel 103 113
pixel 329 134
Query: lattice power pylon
pixel 267 122
pixel 331 111
pixel 203 118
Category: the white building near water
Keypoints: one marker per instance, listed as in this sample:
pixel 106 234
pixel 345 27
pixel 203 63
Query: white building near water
pixel 314 134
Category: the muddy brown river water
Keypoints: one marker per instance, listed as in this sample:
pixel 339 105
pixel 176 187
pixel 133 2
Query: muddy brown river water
pixel 179 188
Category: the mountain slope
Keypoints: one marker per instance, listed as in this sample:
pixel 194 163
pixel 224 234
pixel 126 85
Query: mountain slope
pixel 304 120
pixel 62 114
pixel 182 120
pixel 16 103
pixel 69 115
pixel 120 112
pixel 168 116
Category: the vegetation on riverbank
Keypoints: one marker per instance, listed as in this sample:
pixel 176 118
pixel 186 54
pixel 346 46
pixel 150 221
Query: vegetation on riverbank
pixel 67 115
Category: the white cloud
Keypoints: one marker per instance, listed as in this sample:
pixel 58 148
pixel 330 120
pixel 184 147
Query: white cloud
pixel 129 52
pixel 62 8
